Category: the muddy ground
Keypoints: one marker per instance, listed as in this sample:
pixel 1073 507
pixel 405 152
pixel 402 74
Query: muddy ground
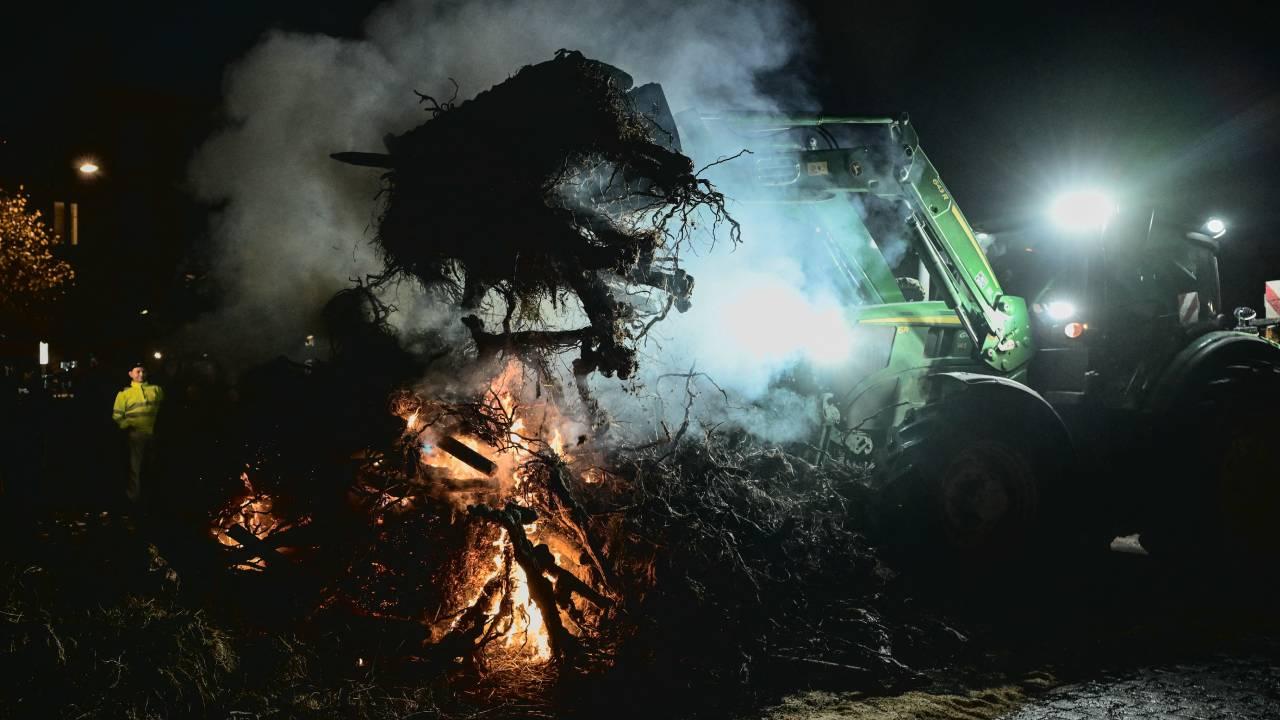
pixel 1120 636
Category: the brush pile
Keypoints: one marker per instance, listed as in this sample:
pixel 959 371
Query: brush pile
pixel 558 576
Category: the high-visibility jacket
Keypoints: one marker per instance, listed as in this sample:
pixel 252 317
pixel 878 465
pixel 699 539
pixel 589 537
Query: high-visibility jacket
pixel 137 406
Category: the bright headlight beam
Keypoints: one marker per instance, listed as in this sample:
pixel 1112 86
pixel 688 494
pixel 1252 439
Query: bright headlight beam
pixel 1061 309
pixel 1082 211
pixel 1217 227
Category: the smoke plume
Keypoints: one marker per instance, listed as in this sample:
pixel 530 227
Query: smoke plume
pixel 293 226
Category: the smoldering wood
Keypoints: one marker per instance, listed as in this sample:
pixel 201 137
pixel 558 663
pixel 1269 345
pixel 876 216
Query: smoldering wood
pixel 513 518
pixel 467 635
pixel 466 455
pixel 296 536
pixel 429 479
pixel 259 548
pixel 566 583
pixel 469 485
pixel 559 480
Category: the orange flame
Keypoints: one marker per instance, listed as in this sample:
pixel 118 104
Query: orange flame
pixel 254 511
pixel 518 628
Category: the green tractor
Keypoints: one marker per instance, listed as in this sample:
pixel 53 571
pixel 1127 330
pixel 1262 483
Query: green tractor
pixel 1107 396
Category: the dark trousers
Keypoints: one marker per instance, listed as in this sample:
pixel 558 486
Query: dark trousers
pixel 139 460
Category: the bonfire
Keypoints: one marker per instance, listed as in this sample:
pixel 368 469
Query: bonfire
pixel 499 530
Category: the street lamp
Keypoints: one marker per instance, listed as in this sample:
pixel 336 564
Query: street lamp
pixel 88 167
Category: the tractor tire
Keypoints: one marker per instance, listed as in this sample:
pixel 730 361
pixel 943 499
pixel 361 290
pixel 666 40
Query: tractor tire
pixel 1217 504
pixel 973 497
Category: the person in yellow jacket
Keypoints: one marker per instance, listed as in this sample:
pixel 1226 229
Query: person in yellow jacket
pixel 135 412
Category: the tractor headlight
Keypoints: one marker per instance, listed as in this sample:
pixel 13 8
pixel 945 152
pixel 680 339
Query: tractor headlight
pixel 1082 211
pixel 1216 227
pixel 1060 310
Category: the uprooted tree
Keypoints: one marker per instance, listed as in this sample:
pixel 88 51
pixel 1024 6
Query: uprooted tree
pixel 556 190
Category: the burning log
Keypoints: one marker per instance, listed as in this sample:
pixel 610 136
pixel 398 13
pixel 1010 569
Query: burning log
pixel 468 634
pixel 513 518
pixel 255 545
pixel 566 583
pixel 295 536
pixel 465 485
pixel 559 482
pixel 454 447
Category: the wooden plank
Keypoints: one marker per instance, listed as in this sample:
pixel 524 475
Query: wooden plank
pixel 454 447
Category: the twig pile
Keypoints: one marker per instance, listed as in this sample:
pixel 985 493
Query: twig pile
pixel 744 568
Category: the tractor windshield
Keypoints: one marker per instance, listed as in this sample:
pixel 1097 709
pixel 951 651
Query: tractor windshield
pixel 1141 269
pixel 1156 270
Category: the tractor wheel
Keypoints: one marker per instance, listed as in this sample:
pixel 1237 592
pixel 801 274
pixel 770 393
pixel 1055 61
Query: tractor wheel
pixel 967 498
pixel 1219 501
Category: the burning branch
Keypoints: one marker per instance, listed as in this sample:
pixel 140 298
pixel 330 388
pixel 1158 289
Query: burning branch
pixel 255 545
pixel 559 481
pixel 468 633
pixel 451 445
pixel 513 518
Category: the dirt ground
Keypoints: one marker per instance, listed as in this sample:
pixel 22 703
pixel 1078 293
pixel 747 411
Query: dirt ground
pixel 1135 640
pixel 1243 685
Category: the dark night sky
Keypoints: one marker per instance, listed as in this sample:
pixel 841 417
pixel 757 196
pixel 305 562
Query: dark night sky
pixel 1009 103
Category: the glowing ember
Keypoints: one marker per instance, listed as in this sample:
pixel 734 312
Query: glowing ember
pixel 253 511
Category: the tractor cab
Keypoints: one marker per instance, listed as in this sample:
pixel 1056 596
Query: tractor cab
pixel 1109 305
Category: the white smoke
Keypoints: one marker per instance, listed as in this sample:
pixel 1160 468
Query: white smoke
pixel 294 226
